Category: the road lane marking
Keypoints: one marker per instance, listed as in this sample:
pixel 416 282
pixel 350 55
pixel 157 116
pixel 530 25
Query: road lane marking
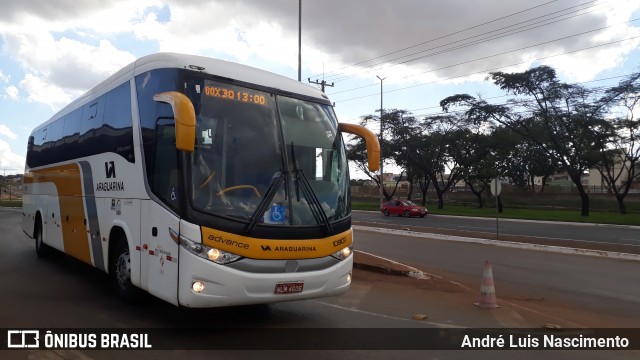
pixel 474 227
pixel 360 311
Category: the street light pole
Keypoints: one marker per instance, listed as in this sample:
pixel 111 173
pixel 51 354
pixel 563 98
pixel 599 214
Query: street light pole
pixel 381 134
pixel 299 40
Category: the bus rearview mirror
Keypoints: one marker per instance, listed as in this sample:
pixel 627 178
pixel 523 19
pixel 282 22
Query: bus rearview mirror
pixel 373 146
pixel 185 118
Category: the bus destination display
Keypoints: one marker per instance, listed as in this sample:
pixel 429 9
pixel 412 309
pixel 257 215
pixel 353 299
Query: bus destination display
pixel 244 95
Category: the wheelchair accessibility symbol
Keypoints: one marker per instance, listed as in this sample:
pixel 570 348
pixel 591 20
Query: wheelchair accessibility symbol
pixel 277 213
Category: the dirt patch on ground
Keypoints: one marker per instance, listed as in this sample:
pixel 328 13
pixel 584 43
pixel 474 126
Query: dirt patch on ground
pixel 431 283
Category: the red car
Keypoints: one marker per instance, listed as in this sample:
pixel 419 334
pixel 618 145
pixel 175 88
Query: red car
pixel 403 208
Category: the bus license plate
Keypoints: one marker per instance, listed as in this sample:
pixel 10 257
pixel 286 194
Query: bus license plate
pixel 289 287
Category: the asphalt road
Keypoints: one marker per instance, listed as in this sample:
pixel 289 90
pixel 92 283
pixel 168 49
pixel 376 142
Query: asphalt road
pixel 60 292
pixel 603 237
pixel 63 293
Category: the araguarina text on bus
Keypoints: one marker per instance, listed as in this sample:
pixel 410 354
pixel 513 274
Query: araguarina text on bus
pixel 110 186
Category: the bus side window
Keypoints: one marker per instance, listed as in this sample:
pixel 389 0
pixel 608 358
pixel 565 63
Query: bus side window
pixel 117 124
pixel 165 165
pixel 91 119
pixel 54 139
pixel 70 148
pixel 36 157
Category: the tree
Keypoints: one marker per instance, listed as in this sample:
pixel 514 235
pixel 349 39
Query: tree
pixel 423 146
pixel 522 161
pixel 620 154
pixel 357 154
pixel 559 118
pixel 356 150
pixel 404 147
pixel 478 161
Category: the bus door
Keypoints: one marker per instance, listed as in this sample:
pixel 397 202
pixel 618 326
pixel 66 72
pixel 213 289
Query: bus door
pixel 159 255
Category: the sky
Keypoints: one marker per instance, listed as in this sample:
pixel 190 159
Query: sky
pixel 53 51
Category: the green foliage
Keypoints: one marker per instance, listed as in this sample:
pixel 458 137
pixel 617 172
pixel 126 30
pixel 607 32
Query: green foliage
pixel 10 203
pixel 546 126
pixel 542 214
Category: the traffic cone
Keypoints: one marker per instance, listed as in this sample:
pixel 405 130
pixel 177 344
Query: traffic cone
pixel 487 289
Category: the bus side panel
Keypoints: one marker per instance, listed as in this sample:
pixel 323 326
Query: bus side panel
pixel 52 227
pixel 28 207
pixel 28 215
pixel 41 195
pixel 70 217
pixel 159 255
pixel 74 231
pixel 145 238
pixel 122 213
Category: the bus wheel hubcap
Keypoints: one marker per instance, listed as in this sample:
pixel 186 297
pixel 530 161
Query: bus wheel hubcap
pixel 123 270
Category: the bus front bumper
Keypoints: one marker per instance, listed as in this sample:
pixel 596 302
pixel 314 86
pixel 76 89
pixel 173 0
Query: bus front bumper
pixel 224 286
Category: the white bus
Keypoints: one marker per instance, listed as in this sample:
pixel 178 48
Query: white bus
pixel 203 182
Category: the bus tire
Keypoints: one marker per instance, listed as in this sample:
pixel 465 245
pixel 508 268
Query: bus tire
pixel 42 250
pixel 120 265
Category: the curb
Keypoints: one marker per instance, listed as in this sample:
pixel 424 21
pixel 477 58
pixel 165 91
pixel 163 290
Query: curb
pixel 370 262
pixel 522 220
pixel 510 244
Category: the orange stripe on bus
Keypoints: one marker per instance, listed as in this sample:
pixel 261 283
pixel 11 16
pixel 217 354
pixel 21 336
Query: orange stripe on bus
pixel 68 182
pixel 256 248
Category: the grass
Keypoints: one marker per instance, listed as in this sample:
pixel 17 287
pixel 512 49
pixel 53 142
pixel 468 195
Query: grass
pixel 10 203
pixel 570 215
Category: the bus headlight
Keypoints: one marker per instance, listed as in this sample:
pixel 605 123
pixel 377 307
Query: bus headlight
pixel 213 254
pixel 343 253
pixel 197 286
pixel 206 252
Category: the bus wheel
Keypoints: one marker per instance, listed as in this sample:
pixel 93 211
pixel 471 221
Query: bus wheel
pixel 121 271
pixel 42 250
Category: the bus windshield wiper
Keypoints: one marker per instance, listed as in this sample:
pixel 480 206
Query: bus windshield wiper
pixel 314 203
pixel 266 202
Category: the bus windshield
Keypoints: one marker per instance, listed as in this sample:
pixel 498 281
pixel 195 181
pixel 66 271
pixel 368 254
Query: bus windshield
pixel 267 158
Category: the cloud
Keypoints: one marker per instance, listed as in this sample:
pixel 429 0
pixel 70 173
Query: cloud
pixel 12 92
pixel 405 40
pixel 67 63
pixel 5 131
pixel 8 159
pixel 58 70
pixel 57 9
pixel 56 44
pixel 41 90
pixel 4 78
pixel 431 42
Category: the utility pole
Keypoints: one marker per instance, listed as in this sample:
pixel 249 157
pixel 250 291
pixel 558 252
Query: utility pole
pixel 381 134
pixel 322 83
pixel 300 40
